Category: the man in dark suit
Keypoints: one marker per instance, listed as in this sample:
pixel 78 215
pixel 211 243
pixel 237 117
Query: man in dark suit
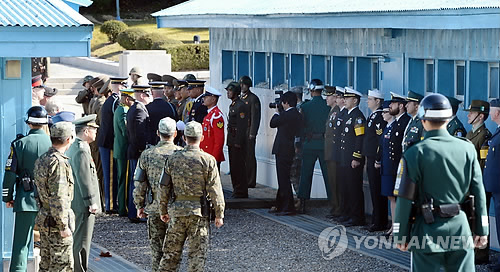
pixel 158 109
pixel 137 127
pixel 198 110
pixel 287 120
pixel 105 140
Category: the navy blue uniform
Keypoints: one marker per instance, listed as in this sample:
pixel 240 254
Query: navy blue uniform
pixel 198 111
pixel 159 109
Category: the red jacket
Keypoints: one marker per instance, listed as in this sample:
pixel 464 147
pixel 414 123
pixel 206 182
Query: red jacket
pixel 213 134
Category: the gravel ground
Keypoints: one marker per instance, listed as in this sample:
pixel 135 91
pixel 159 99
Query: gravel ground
pixel 247 242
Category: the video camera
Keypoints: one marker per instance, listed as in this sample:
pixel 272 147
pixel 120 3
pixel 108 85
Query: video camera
pixel 277 101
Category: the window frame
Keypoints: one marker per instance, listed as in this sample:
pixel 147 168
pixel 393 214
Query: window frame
pixel 493 65
pixel 458 63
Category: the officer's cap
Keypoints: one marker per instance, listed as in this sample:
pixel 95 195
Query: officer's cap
pixel 414 97
pixel 397 98
pixel 135 71
pixel 127 92
pixel 350 92
pixel 142 89
pixel 105 88
pixel 189 77
pixel 99 81
pixel 157 85
pixel 479 106
pixel 329 90
pixel 169 80
pixel 212 92
pixel 386 104
pixel 153 77
pixel 49 92
pixel 167 126
pixel 182 83
pixel 87 79
pixel 62 130
pixel 193 129
pixel 87 121
pixel 36 82
pixel 495 103
pixel 195 83
pixel 119 80
pixel 376 93
pixel 63 116
pixel 339 91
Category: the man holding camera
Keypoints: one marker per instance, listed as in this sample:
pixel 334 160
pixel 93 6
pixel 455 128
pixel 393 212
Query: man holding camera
pixel 287 120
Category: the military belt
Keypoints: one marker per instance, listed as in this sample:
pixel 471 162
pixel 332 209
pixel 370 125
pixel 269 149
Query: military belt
pixel 446 210
pixel 187 198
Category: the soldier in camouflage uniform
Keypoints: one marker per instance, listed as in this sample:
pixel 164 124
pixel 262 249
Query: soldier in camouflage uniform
pixel 189 174
pixel 146 178
pixel 54 180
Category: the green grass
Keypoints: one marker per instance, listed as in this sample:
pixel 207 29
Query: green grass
pixel 102 48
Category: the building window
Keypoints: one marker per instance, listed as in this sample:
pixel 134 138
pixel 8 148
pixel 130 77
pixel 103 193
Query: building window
pixel 460 78
pixel 375 74
pixel 329 69
pixel 429 76
pixel 244 64
pixel 227 65
pixel 493 80
pixel 279 70
pixel 260 71
pixel 350 72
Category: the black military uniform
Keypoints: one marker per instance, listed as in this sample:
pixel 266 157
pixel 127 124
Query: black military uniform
pixel 455 126
pixel 351 146
pixel 158 109
pixel 237 129
pixel 374 128
pixel 198 111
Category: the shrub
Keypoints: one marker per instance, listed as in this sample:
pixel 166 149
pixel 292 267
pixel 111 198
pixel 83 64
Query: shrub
pixel 188 56
pixel 148 41
pixel 112 28
pixel 128 38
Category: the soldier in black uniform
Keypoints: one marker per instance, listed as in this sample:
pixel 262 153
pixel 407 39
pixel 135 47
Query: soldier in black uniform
pixel 253 103
pixel 198 110
pixel 351 161
pixel 338 126
pixel 105 140
pixel 237 127
pixel 158 109
pixel 374 128
pixel 455 126
pixel 414 131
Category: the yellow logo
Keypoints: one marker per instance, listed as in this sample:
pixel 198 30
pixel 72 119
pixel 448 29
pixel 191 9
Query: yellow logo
pixel 220 124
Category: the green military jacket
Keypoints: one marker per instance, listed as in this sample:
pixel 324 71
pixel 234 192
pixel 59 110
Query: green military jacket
pixel 191 170
pixel 96 108
pixel 21 160
pixel 152 161
pixel 54 180
pixel 253 103
pixel 237 123
pixel 414 133
pixel 120 144
pixel 446 174
pixel 479 139
pixel 315 114
pixel 86 191
pixel 181 104
pixel 456 128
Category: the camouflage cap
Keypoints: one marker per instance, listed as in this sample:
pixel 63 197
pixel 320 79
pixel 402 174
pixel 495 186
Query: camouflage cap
pixel 62 129
pixel 193 129
pixel 167 126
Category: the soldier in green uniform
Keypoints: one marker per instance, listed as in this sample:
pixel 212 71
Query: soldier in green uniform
pixel 414 132
pixel 146 178
pixel 437 176
pixel 315 114
pixel 19 175
pixel 86 202
pixel 54 181
pixel 189 174
pixel 120 145
pixel 479 136
pixel 455 127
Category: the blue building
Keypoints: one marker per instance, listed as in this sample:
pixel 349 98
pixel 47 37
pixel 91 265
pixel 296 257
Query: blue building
pixel 35 28
pixel 450 47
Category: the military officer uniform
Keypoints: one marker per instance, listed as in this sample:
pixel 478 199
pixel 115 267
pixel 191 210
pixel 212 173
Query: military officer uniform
pixel 172 85
pixel 315 113
pixel 455 126
pixel 84 96
pixel 86 195
pixel 193 173
pixel 237 136
pixel 181 104
pixel 338 127
pixel 351 147
pixel 373 133
pixel 198 111
pixel 213 130
pixel 20 163
pixel 158 109
pixel 414 131
pixel 435 173
pixel 54 181
pixel 120 145
pixel 137 128
pixel 147 186
pixel 330 135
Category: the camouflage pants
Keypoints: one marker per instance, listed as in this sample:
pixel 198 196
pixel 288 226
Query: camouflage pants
pixel 295 171
pixel 156 235
pixel 195 229
pixel 56 253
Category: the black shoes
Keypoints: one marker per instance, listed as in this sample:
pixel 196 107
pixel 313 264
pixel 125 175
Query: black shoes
pixel 302 208
pixel 374 228
pixel 352 223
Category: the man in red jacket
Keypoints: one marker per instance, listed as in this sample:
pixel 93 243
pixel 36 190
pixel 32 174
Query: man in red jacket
pixel 213 126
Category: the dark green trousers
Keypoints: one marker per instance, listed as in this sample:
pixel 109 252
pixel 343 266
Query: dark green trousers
pixel 23 233
pixel 309 158
pixel 82 238
pixel 457 260
pixel 121 169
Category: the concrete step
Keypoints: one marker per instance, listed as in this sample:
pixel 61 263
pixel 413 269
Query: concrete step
pixel 68 91
pixel 65 80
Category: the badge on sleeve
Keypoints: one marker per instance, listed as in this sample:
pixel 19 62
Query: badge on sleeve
pixel 242 115
pixel 220 124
